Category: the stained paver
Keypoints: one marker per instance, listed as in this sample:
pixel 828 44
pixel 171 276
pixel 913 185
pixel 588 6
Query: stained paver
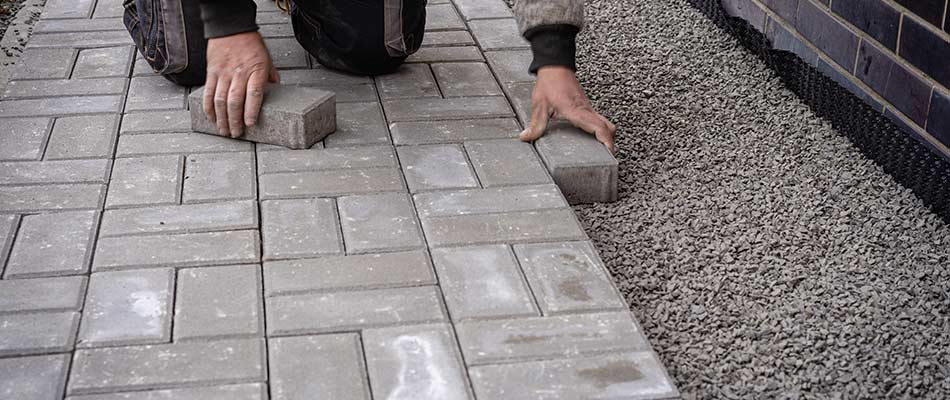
pixel 419 252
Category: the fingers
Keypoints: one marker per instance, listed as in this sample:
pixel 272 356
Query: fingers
pixel 272 75
pixel 594 124
pixel 236 94
pixel 540 114
pixel 221 105
pixel 255 97
pixel 208 98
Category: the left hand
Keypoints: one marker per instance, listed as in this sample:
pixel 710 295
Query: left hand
pixel 558 94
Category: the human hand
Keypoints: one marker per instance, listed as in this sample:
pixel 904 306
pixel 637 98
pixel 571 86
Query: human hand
pixel 558 94
pixel 239 67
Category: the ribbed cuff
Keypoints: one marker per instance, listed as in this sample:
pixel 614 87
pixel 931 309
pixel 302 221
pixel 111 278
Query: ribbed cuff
pixel 553 45
pixel 228 17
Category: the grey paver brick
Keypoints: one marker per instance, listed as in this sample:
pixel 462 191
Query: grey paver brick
pixel 358 123
pixel 218 301
pixel 452 108
pixel 219 176
pixel 447 38
pixel 520 95
pixel 318 367
pixel 68 9
pixel 140 67
pixel 72 40
pixel 155 93
pixel 24 138
pixel 23 334
pixel 128 307
pixel 33 378
pixel 409 81
pixel 506 340
pixel 156 121
pixel 31 295
pixel 568 277
pixel 108 9
pixel 581 166
pixel 39 172
pixel 433 167
pixel 379 222
pixel 8 228
pixel 84 136
pixel 177 143
pixel 166 365
pixel 629 375
pixel 321 77
pixel 486 201
pixel 145 181
pixel 59 106
pixel 475 9
pixel 324 159
pixel 443 54
pixel 243 391
pixel 495 34
pixel 465 79
pixel 508 227
pixel 506 162
pixel 63 87
pixel 362 271
pixel 53 244
pixel 180 250
pixel 287 53
pixel 330 182
pixel 186 218
pixel 300 228
pixel 291 116
pixel 276 31
pixel 51 197
pixel 510 65
pixel 441 17
pixel 415 362
pixel 272 17
pixel 482 282
pixel 78 25
pixel 341 311
pixel 455 131
pixel 44 64
pixel 103 62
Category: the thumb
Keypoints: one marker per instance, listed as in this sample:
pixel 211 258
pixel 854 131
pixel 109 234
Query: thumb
pixel 540 114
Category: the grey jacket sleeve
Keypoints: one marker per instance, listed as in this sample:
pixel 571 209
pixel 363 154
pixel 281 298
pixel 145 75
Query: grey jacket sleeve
pixel 551 26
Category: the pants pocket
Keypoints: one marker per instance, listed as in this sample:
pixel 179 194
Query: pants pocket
pixel 158 29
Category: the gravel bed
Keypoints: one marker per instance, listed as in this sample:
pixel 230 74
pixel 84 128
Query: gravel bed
pixel 763 255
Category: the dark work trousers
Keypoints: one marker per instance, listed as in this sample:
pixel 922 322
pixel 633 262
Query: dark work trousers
pixel 363 37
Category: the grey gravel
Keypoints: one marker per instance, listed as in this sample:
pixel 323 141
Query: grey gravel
pixel 763 255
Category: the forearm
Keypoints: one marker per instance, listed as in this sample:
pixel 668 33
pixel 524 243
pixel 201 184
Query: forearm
pixel 551 26
pixel 228 17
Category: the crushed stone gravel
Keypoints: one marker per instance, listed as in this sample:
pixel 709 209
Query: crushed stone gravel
pixel 764 255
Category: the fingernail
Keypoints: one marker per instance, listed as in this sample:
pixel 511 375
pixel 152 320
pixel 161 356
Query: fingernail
pixel 251 122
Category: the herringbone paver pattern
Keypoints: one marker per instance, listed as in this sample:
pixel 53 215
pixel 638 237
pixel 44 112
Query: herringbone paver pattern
pixel 420 252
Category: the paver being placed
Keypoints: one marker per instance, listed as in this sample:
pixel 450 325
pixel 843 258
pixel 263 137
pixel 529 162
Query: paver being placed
pixel 300 228
pixel 179 250
pixel 318 367
pixel 145 181
pixel 24 334
pixel 568 277
pixel 381 222
pixel 628 375
pixel 582 167
pixel 128 307
pixel 436 167
pixel 219 176
pixel 53 244
pixel 362 271
pixel 85 136
pixel 218 301
pixel 31 295
pixel 506 163
pixel 167 365
pixel 482 282
pixel 415 362
pixel 243 391
pixel 291 116
pixel 33 378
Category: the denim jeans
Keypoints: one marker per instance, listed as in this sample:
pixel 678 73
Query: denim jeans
pixel 365 37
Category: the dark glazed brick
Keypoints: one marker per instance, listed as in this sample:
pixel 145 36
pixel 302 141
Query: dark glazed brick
pixel 939 122
pixel 787 9
pixel 874 67
pixel 930 10
pixel 878 19
pixel 908 93
pixel 827 34
pixel 926 50
pixel 845 80
pixel 783 39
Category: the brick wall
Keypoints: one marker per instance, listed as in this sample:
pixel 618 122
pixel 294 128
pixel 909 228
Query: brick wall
pixel 894 54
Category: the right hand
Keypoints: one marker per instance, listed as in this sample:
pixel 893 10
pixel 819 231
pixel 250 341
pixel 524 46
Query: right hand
pixel 239 67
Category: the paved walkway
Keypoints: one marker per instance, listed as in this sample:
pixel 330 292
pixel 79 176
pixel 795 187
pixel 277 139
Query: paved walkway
pixel 421 252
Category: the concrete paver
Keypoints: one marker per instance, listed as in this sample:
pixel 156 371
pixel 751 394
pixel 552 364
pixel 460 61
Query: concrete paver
pixel 53 244
pixel 33 378
pixel 31 295
pixel 218 301
pixel 24 138
pixel 323 366
pixel 361 271
pixel 128 307
pixel 300 228
pixel 85 136
pixel 480 282
pixel 25 334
